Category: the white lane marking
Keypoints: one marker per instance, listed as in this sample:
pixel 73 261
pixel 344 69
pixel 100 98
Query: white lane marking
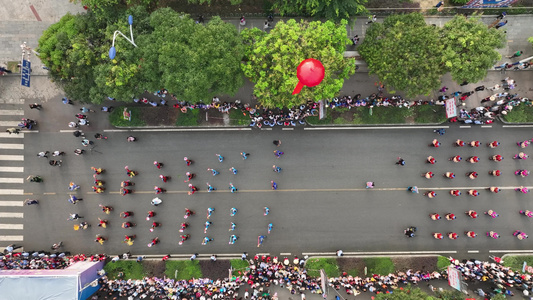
pixel 12 146
pixel 287 128
pixel 7 135
pixel 11 203
pixel 517 126
pixel 11 192
pixel 11 180
pixel 12 157
pixel 266 128
pixel 381 253
pixel 68 130
pixel 465 126
pixel 511 251
pixel 14 238
pixel 12 226
pixel 374 128
pixel 473 251
pixel 15 215
pixel 177 129
pixel 9 123
pixel 486 126
pixel 285 253
pixel 12 169
pixel 11 112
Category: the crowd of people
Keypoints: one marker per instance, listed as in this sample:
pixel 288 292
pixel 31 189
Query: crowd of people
pixel 500 102
pixel 265 272
pixel 39 260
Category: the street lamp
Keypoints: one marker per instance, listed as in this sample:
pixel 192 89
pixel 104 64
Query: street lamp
pixel 113 50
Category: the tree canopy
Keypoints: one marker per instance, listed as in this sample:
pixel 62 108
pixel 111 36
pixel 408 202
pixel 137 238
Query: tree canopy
pixel 408 54
pixel 271 60
pixel 470 48
pixel 335 10
pixel 193 61
pixel 405 53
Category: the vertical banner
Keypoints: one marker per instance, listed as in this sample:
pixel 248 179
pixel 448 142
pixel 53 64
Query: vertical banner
pixel 324 282
pixel 451 109
pixel 26 69
pixel 454 278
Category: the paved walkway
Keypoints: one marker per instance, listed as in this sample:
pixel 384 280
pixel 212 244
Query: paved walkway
pixel 31 19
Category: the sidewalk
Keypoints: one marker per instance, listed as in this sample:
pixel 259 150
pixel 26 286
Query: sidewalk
pixel 24 26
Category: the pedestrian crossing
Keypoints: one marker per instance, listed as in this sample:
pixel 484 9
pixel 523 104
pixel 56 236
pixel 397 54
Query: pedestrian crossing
pixel 11 174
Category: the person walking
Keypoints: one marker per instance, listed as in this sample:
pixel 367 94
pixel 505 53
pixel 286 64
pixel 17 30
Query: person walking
pixel 244 155
pixel 400 161
pixel 501 24
pixel 516 54
pixel 277 143
pixel 36 106
pixel 371 19
pixel 31 201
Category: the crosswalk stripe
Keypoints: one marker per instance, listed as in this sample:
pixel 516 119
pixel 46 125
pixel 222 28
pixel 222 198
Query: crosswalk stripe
pixel 9 123
pixel 11 112
pixel 13 136
pixel 11 192
pixel 12 146
pixel 12 226
pixel 14 238
pixel 12 169
pixel 11 203
pixel 12 157
pixel 12 101
pixel 11 215
pixel 11 180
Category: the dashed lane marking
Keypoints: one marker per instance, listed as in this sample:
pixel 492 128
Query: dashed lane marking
pixel 486 126
pixel 465 126
pixel 473 251
pixel 287 128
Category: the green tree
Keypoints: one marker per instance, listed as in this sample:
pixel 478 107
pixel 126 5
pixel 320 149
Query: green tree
pixel 335 10
pixel 407 293
pixel 194 62
pixel 69 48
pixel 107 9
pixel 405 53
pixel 271 60
pixel 208 2
pixel 470 48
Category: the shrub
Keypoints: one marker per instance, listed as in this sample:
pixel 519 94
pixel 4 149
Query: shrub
pixel 190 118
pixel 116 117
pixel 130 269
pixel 314 265
pixel 183 269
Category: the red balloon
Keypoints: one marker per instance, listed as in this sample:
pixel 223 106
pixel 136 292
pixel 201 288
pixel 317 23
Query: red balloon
pixel 310 72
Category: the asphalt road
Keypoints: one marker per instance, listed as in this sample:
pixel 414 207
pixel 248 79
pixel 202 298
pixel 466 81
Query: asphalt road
pixel 321 204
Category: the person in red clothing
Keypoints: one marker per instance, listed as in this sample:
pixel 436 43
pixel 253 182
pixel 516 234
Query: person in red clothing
pixel 455 193
pixel 437 235
pixel 431 160
pixel 475 144
pixel 450 216
pixel 496 157
pixel 459 143
pixel 452 235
